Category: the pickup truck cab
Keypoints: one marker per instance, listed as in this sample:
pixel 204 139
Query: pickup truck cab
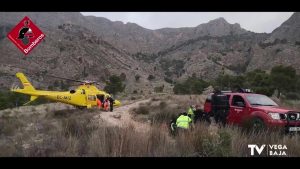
pixel 258 109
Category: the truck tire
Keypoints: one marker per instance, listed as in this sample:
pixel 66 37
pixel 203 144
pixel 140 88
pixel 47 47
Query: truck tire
pixel 257 124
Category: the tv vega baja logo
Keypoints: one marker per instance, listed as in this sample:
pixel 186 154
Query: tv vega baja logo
pixel 269 150
pixel 26 35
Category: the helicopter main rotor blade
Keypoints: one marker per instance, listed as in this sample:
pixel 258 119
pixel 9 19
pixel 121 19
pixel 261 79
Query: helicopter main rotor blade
pixel 65 78
pixel 80 81
pixel 34 73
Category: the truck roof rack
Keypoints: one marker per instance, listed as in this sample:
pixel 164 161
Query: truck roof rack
pixel 244 90
pixel 226 91
pixel 241 90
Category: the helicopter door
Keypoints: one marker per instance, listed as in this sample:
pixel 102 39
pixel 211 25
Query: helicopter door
pixel 100 97
pixel 91 101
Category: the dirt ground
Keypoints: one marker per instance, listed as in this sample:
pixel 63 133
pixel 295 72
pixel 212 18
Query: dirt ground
pixel 121 117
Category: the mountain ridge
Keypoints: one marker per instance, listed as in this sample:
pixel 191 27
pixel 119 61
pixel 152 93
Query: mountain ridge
pixel 78 45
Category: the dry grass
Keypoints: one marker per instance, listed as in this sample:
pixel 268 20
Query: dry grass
pixel 228 141
pixel 163 108
pixel 125 142
pixel 231 142
pixel 156 111
pixel 9 125
pixel 79 137
pixel 74 133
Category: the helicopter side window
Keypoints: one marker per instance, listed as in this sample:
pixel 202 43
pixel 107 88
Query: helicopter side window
pixel 72 91
pixel 91 98
pixel 83 91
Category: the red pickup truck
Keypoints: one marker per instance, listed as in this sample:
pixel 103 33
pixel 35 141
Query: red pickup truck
pixel 259 110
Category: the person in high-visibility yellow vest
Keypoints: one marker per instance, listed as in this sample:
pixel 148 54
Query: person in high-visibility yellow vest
pixel 191 111
pixel 183 121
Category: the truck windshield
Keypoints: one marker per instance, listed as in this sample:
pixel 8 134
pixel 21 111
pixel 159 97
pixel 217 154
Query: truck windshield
pixel 260 100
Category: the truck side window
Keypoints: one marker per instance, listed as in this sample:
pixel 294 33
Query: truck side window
pixel 238 101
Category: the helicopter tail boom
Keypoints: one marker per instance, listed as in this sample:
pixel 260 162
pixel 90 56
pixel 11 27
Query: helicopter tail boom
pixel 27 87
pixel 26 84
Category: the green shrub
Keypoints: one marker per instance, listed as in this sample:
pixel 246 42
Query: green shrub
pixel 159 89
pixel 283 78
pixel 137 77
pixel 151 77
pixel 10 100
pixel 142 109
pixel 190 86
pixel 292 96
pixel 168 80
pixel 123 76
pixel 114 85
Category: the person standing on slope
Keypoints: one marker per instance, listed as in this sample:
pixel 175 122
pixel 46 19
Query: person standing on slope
pixel 111 103
pixel 191 112
pixel 220 106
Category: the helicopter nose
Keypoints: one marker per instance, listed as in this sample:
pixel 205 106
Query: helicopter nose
pixel 117 103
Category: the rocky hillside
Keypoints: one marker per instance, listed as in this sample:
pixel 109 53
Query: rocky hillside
pixel 130 36
pixel 207 56
pixel 134 38
pixel 88 47
pixel 282 46
pixel 74 52
pixel 289 30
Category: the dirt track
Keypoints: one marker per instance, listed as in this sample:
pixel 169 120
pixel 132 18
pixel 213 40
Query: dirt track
pixel 125 117
pixel 111 118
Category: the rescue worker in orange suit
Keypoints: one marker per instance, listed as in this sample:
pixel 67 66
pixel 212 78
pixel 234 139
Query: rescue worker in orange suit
pixel 101 98
pixel 99 101
pixel 106 104
pixel 99 104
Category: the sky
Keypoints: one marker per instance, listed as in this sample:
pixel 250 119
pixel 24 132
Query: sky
pixel 259 22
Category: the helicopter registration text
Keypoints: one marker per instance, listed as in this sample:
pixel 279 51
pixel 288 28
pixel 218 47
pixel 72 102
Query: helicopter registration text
pixel 63 97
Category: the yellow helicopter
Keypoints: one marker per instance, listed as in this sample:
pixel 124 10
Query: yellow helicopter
pixel 85 96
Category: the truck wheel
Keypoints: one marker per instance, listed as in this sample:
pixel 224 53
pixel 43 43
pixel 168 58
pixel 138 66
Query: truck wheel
pixel 257 124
